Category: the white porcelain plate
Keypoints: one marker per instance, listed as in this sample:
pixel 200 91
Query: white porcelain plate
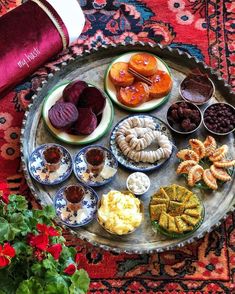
pixel 102 128
pixel 111 90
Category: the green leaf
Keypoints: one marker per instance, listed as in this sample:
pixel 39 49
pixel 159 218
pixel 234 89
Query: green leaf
pixel 22 247
pixel 80 282
pixel 37 269
pixel 7 284
pixel 54 277
pixel 7 232
pixel 45 215
pixel 4 229
pixel 17 203
pixel 31 286
pixel 49 263
pixel 56 288
pixel 19 224
pixel 68 254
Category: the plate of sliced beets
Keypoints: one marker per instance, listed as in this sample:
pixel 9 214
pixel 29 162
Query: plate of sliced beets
pixel 77 112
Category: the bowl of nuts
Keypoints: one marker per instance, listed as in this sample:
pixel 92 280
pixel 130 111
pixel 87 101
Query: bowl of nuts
pixel 184 117
pixel 219 118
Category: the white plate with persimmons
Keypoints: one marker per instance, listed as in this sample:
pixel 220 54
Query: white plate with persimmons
pixel 138 81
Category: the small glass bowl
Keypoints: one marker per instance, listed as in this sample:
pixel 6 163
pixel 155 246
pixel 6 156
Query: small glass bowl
pixel 113 233
pixel 184 132
pixel 163 231
pixel 203 118
pixel 73 195
pixel 194 102
pixel 93 154
pixel 52 156
pixel 133 175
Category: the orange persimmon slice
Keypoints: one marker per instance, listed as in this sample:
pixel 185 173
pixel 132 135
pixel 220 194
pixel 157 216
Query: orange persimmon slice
pixel 161 86
pixel 119 74
pixel 133 95
pixel 143 63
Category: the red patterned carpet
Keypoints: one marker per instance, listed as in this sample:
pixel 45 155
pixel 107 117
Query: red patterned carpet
pixel 202 28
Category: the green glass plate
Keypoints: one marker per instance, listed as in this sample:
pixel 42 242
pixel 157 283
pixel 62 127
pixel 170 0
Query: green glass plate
pixel 172 235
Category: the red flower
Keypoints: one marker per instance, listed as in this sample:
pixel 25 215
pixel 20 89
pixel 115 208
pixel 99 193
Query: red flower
pixel 4 192
pixel 39 255
pixel 6 253
pixel 40 241
pixel 47 230
pixel 55 250
pixel 70 270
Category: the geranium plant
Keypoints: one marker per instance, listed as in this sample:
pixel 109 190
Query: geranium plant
pixel 33 255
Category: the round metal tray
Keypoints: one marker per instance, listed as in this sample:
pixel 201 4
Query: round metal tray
pixel 91 67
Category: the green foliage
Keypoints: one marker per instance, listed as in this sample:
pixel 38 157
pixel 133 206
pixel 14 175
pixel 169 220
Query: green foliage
pixel 33 270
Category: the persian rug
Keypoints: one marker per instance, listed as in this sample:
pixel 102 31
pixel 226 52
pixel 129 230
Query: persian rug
pixel 204 29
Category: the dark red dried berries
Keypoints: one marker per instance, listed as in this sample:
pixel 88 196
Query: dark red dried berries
pixel 62 114
pixel 183 116
pixel 220 118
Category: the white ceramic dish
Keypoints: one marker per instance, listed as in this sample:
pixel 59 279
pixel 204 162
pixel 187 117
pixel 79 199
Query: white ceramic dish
pixel 111 90
pixel 102 128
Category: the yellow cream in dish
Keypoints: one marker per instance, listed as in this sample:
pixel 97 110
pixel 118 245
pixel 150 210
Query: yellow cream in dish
pixel 119 213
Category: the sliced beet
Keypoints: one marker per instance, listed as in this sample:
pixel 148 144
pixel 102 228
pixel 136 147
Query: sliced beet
pixel 87 121
pixel 63 114
pixel 99 118
pixel 92 97
pixel 73 91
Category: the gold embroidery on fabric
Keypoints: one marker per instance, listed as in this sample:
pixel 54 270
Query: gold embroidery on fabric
pixel 54 20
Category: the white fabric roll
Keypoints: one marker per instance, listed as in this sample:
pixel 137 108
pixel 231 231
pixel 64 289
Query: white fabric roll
pixel 72 16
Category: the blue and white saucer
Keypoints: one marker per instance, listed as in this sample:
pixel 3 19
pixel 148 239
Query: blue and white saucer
pixel 130 164
pixel 78 218
pixel 39 172
pixel 83 175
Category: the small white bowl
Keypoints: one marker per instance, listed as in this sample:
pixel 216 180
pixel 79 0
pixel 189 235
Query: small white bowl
pixel 134 175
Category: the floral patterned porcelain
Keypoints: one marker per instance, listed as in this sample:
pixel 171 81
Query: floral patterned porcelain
pixel 40 174
pixel 80 217
pixel 130 164
pixel 80 168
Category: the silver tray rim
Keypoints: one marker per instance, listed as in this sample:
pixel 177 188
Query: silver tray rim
pixel 142 45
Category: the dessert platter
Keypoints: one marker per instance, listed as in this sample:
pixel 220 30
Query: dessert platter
pixel 157 168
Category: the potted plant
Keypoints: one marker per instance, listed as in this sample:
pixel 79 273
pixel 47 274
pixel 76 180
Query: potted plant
pixel 33 255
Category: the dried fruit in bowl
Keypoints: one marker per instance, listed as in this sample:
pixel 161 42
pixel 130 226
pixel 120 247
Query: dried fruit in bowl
pixel 63 114
pixel 144 63
pixel 73 91
pixel 120 76
pixel 93 98
pixel 87 121
pixel 134 95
